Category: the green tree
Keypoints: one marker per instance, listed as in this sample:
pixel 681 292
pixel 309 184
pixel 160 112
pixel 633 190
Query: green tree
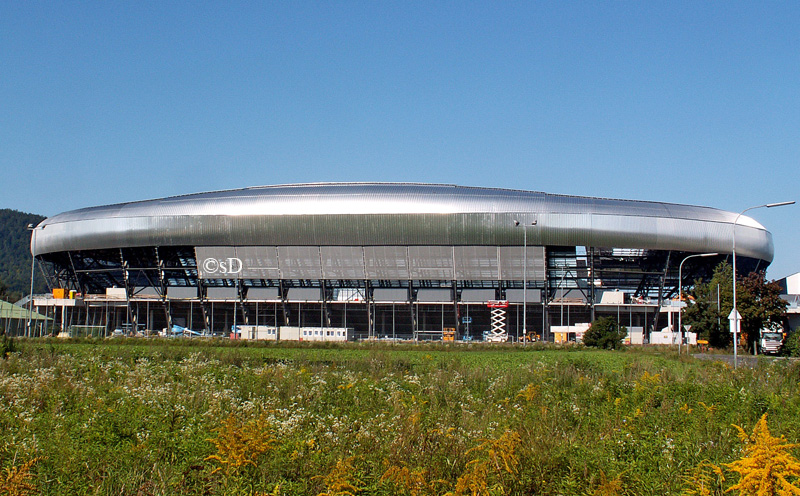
pixel 758 302
pixel 15 253
pixel 605 333
pixel 4 295
pixel 761 306
pixel 707 319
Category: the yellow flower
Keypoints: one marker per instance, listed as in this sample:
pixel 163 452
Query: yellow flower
pixel 529 392
pixel 767 467
pixel 16 480
pixel 239 444
pixel 341 481
pixel 710 409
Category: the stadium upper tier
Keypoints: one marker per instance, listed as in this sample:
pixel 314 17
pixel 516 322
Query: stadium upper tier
pixel 375 214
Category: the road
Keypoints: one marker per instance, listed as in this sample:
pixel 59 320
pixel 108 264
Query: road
pixel 743 360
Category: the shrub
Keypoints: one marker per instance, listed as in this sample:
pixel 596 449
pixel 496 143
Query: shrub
pixel 791 346
pixel 7 346
pixel 605 333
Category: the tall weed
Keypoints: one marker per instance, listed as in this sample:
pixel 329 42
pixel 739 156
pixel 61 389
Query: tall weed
pixel 165 417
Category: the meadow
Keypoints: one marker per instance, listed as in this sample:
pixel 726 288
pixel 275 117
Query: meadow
pixel 151 417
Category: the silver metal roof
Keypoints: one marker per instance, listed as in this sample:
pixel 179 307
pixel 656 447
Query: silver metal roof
pixel 372 214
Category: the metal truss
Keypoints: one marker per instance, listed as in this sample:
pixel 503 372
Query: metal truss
pixel 640 273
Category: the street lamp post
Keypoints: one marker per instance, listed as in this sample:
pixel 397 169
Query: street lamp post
pixel 28 329
pixel 680 294
pixel 735 311
pixel 525 279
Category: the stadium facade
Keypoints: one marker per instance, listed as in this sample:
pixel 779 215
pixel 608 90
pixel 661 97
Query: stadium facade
pixel 383 259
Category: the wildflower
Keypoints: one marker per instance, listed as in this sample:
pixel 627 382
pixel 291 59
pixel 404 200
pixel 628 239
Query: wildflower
pixel 503 450
pixel 529 392
pixel 16 480
pixel 704 480
pixel 341 481
pixel 767 465
pixel 647 380
pixel 710 409
pixel 607 487
pixel 240 444
pixel 474 482
pixel 495 458
pixel 412 482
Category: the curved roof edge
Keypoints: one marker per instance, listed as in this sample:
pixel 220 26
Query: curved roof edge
pixel 401 213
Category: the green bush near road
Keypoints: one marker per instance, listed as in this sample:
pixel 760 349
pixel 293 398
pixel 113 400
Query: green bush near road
pixel 791 346
pixel 605 333
pixel 162 417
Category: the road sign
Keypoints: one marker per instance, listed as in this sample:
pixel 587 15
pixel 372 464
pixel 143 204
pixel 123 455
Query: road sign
pixel 735 319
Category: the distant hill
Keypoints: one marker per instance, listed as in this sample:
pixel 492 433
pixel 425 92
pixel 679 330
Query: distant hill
pixel 15 254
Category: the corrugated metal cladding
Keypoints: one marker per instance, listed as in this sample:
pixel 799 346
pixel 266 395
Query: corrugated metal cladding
pixel 299 262
pixel 222 294
pixel 304 294
pixel 343 262
pixel 256 293
pixel 146 291
pixel 519 295
pixel 345 214
pixel 180 292
pixel 434 296
pixel 478 295
pixel 443 263
pixel 390 295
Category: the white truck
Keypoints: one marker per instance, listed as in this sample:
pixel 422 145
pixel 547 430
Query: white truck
pixel 769 341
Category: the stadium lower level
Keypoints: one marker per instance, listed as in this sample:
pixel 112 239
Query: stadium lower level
pixel 147 290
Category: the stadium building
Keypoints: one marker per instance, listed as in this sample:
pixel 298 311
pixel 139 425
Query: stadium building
pixel 383 260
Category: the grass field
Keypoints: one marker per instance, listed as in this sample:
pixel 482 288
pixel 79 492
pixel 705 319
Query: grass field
pixel 186 417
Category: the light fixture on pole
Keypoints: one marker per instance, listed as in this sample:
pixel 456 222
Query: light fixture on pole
pixel 28 329
pixel 524 279
pixel 680 293
pixel 735 312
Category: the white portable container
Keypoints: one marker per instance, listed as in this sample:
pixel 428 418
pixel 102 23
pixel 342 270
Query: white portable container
pixel 287 333
pixel 261 333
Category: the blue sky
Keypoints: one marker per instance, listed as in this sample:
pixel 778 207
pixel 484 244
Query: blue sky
pixel 686 102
